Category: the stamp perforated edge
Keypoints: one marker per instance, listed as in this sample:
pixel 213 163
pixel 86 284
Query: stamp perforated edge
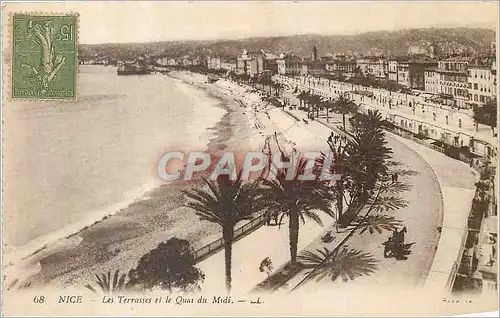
pixel 7 63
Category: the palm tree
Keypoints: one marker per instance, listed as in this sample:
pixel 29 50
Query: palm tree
pixel 328 104
pixel 109 285
pixel 344 106
pixel 296 199
pixel 352 263
pixel 300 97
pixel 226 202
pixel 313 101
pixel 361 162
pixel 277 88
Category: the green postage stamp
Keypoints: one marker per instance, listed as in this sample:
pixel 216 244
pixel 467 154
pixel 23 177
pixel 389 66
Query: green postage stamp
pixel 44 57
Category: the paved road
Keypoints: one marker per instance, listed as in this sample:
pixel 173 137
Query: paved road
pixel 422 217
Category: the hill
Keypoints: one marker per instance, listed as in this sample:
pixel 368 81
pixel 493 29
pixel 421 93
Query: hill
pixel 389 43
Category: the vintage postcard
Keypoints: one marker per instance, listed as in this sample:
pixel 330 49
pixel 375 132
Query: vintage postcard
pixel 249 158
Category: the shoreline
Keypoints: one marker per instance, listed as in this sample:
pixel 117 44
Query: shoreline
pixel 50 262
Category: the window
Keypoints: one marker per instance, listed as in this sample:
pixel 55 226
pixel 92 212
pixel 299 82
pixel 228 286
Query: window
pixel 459 123
pixel 475 85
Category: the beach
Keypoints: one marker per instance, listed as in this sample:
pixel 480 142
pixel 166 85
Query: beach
pixel 123 236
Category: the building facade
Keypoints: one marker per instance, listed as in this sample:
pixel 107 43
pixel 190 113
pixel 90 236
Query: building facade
pixel 392 70
pixel 213 63
pixel 481 84
pixel 289 64
pixel 250 63
pixel 403 74
pixel 416 72
pixel 431 81
pixel 229 65
pixel 453 82
pixel 341 66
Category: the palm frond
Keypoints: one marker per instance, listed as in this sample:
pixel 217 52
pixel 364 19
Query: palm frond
pixel 378 223
pixel 109 284
pixel 345 263
pixel 395 187
pixel 387 203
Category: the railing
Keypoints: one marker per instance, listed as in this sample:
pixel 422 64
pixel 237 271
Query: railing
pixel 215 246
pixel 457 265
pixel 409 136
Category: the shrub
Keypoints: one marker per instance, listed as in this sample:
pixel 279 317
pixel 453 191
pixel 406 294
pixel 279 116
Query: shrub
pixel 169 266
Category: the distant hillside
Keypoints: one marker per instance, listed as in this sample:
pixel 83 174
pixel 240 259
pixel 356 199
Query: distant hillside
pixel 451 40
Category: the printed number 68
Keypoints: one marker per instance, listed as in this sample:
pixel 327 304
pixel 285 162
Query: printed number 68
pixel 39 299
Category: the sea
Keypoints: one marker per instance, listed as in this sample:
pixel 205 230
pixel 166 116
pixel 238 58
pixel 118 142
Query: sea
pixel 70 164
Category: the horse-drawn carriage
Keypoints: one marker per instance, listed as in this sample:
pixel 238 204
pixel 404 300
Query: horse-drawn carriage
pixel 395 246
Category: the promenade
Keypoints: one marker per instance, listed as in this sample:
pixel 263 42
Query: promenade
pixel 407 111
pixel 423 216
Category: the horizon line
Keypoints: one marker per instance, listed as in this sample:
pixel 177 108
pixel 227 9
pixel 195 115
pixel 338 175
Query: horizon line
pixel 228 38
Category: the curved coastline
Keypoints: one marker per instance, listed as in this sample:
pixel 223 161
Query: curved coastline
pixel 45 262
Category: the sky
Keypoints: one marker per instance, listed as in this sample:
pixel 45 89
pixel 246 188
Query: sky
pixel 119 22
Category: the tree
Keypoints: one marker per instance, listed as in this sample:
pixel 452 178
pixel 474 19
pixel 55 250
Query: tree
pixel 170 266
pixel 278 87
pixel 302 98
pixel 225 202
pixel 486 114
pixel 317 102
pixel 266 266
pixel 350 264
pixel 344 106
pixel 361 162
pixel 296 199
pixel 330 106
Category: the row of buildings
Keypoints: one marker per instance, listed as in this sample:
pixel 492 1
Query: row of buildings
pixel 457 81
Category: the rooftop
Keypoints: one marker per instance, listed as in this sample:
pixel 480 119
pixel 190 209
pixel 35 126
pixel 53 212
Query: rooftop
pixel 456 59
pixel 451 72
pixel 483 67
